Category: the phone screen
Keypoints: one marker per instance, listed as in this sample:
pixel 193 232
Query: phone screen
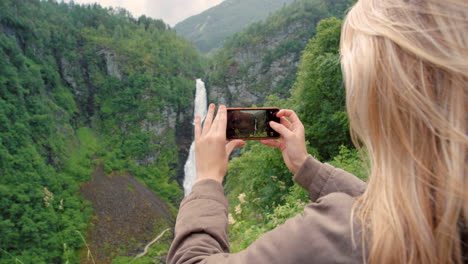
pixel 251 123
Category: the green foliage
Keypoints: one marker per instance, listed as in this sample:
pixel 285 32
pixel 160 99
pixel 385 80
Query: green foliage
pixel 351 161
pixel 154 255
pixel 76 85
pixel 252 215
pixel 259 201
pixel 248 223
pixel 261 193
pixel 318 95
pixel 38 203
pixel 262 167
pixel 79 165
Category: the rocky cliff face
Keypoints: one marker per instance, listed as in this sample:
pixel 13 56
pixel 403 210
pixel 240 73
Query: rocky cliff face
pixel 263 59
pixel 259 69
pixel 111 63
pixel 179 122
pixel 158 122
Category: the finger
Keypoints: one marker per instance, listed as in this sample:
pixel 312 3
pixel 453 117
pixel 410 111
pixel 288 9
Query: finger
pixel 197 127
pixel 232 145
pixel 221 119
pixel 272 143
pixel 208 119
pixel 285 122
pixel 286 133
pixel 290 114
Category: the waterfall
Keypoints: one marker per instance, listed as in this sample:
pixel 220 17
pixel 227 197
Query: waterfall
pixel 199 109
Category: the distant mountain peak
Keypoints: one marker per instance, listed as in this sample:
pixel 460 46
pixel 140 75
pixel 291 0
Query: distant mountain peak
pixel 209 29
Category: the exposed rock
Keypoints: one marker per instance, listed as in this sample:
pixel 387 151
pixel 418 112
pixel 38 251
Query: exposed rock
pixel 11 31
pixel 184 138
pixel 252 76
pixel 111 63
pixel 157 124
pixel 67 75
pixel 167 120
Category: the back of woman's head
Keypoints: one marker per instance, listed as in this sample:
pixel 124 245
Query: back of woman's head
pixel 406 71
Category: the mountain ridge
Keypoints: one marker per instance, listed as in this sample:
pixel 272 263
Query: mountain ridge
pixel 209 29
pixel 263 59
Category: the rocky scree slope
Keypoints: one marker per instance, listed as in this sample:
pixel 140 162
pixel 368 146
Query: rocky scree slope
pixel 125 210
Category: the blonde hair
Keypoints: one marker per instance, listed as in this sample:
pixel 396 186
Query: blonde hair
pixel 405 64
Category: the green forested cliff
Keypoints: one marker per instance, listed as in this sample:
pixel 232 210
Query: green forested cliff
pixel 88 93
pixel 263 59
pixel 82 86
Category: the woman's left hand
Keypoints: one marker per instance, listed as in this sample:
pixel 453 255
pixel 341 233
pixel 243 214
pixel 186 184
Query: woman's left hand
pixel 211 150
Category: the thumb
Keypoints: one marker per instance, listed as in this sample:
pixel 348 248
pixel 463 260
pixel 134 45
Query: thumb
pixel 232 145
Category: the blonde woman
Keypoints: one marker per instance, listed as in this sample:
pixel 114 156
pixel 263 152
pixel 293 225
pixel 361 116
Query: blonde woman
pixel 406 71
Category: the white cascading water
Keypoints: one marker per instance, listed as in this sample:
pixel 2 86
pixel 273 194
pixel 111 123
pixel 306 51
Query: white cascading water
pixel 199 109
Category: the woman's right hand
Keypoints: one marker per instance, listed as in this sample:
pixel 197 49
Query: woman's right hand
pixel 292 143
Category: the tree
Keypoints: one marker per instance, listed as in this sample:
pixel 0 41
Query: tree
pixel 319 94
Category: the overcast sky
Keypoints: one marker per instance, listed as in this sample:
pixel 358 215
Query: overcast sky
pixel 171 11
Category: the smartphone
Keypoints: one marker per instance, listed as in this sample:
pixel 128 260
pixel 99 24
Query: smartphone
pixel 251 123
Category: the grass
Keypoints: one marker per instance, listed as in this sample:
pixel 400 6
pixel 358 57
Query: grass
pixel 79 164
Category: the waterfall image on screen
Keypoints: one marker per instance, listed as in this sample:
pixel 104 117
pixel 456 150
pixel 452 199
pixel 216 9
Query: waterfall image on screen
pixel 247 124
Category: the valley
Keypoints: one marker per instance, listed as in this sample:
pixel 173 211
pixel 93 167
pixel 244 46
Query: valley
pixel 96 107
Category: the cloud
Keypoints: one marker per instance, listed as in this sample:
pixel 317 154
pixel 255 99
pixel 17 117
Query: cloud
pixel 171 11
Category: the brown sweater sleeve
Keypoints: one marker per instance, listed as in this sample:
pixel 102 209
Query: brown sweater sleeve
pixel 321 234
pixel 321 179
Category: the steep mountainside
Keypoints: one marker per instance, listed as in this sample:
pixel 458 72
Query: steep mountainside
pixel 263 59
pixel 209 29
pixel 81 86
